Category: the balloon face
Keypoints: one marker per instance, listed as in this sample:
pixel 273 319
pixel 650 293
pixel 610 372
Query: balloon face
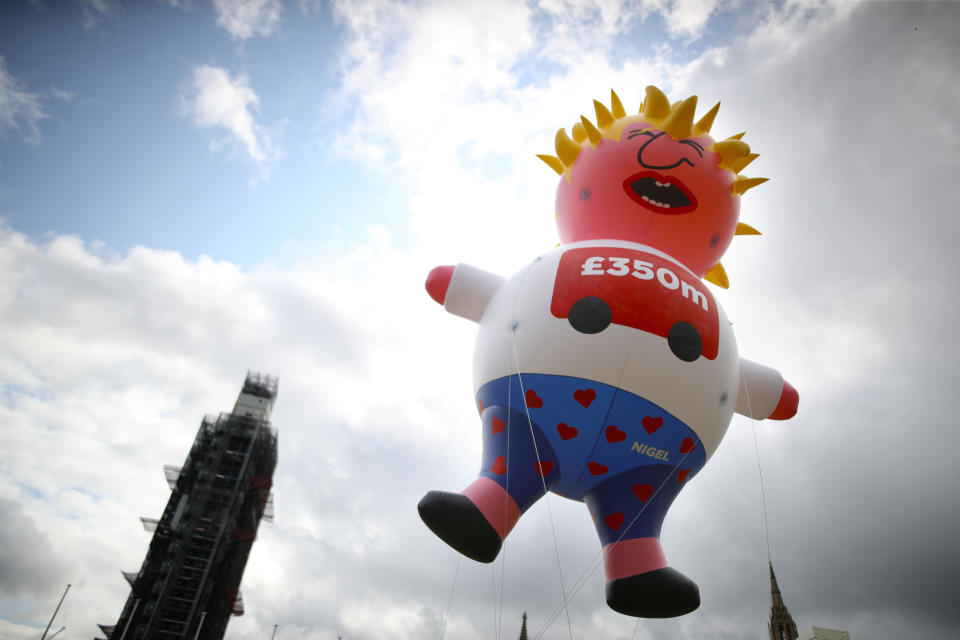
pixel 651 188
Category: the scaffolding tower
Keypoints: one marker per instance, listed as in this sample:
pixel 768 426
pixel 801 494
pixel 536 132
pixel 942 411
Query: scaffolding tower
pixel 189 583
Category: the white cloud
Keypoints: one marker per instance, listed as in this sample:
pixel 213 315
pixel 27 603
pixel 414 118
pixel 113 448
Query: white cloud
pixel 686 18
pixel 245 19
pixel 25 572
pixel 20 109
pixel 213 98
pixel 18 631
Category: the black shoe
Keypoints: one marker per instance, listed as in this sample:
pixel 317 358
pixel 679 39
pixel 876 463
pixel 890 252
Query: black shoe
pixel 663 593
pixel 459 523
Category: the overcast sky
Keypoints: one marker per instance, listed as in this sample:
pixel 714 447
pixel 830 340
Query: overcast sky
pixel 190 190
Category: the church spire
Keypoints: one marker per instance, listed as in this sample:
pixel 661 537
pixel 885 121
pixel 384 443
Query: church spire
pixel 781 625
pixel 523 628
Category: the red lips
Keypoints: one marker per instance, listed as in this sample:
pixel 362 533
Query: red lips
pixel 661 194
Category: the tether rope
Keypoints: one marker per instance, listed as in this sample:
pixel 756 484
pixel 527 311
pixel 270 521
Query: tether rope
pixel 756 447
pixel 594 564
pixel 578 584
pixel 506 510
pixel 443 624
pixel 543 481
pixel 516 362
pixel 497 615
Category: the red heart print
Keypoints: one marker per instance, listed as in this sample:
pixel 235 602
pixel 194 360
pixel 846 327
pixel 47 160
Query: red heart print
pixel 533 400
pixel 597 469
pixel 585 396
pixel 682 474
pixel 499 466
pixel 497 425
pixel 643 491
pixel 543 468
pixel 614 520
pixel 651 424
pixel 614 434
pixel 566 431
pixel 687 445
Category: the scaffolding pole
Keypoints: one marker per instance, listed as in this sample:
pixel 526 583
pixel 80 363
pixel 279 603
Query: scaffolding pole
pixel 130 619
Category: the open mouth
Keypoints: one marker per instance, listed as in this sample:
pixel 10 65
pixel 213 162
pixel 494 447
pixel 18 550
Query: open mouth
pixel 660 194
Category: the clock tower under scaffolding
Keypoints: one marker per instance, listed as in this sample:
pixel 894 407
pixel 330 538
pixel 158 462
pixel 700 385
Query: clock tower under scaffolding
pixel 188 585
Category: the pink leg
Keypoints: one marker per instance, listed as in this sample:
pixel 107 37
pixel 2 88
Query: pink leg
pixel 632 557
pixel 496 505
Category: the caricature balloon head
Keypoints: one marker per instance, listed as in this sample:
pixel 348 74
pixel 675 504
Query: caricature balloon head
pixel 656 178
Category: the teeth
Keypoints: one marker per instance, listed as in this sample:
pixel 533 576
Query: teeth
pixel 662 205
pixel 661 184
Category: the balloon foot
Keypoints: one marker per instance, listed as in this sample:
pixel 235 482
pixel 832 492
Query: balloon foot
pixel 459 523
pixel 663 593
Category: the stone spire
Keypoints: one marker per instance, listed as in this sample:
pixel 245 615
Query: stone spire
pixel 781 625
pixel 523 628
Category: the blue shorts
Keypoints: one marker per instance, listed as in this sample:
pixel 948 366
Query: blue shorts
pixel 622 455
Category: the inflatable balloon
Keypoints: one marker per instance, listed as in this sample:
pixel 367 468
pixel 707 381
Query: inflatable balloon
pixel 605 370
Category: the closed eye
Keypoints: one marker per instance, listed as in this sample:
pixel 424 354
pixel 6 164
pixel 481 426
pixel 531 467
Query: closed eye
pixel 640 132
pixel 696 146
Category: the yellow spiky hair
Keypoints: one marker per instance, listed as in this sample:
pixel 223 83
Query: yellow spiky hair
pixel 676 119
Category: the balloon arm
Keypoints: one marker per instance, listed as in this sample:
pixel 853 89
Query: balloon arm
pixel 463 290
pixel 788 405
pixel 438 281
pixel 764 393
